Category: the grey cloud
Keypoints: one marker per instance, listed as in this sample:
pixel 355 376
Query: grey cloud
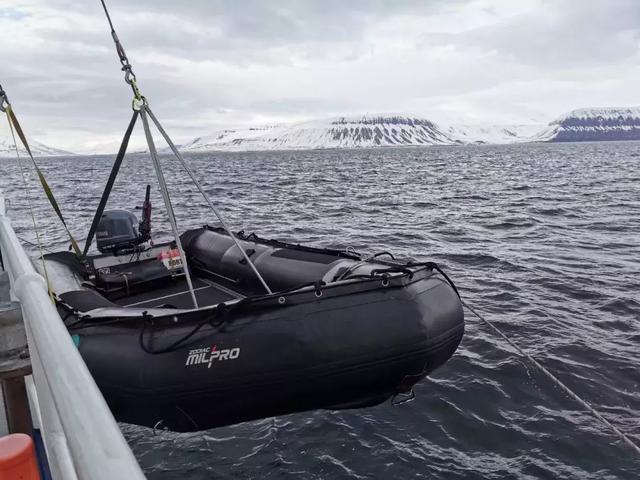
pixel 284 21
pixel 251 22
pixel 196 59
pixel 562 34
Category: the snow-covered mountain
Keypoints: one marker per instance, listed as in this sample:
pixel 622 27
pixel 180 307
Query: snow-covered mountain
pixel 385 130
pixel 228 138
pixel 7 149
pixel 359 131
pixel 594 124
pixel 493 134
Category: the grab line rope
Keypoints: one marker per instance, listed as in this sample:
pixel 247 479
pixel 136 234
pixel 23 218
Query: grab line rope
pixel 557 381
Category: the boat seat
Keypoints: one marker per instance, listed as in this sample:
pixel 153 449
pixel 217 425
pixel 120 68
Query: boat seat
pixel 85 300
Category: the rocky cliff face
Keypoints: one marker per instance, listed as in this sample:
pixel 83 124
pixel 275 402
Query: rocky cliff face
pixel 594 124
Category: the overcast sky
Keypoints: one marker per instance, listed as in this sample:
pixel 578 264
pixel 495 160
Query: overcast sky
pixel 207 64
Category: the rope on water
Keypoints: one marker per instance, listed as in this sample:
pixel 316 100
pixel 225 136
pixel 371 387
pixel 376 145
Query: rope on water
pixel 557 381
pixel 39 247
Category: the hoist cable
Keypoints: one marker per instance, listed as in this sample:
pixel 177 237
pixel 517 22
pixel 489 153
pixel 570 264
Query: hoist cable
pixel 140 104
pixel 129 76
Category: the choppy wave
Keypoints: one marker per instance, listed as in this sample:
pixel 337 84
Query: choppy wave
pixel 545 239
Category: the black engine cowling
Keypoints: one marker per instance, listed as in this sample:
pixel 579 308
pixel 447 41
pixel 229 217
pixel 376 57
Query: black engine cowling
pixel 117 229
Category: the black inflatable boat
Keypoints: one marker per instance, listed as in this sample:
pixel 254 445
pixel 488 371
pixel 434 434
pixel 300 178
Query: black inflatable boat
pixel 340 330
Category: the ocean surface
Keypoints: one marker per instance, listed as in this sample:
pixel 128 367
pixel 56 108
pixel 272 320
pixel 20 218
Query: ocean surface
pixel 543 239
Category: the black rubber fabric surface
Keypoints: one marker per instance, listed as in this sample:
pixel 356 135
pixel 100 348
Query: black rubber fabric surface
pixel 312 257
pixel 177 295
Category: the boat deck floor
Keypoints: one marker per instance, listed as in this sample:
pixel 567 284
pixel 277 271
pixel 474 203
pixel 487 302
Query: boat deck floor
pixel 177 295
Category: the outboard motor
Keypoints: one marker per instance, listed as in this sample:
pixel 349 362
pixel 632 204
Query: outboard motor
pixel 117 229
pixel 120 230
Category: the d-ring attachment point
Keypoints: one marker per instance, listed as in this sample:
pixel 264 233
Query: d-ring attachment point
pixel 138 103
pixel 157 426
pixel 403 397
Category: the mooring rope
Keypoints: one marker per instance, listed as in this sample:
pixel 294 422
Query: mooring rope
pixel 556 380
pixel 29 242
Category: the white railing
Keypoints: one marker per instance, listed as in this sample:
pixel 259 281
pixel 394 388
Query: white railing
pixel 82 439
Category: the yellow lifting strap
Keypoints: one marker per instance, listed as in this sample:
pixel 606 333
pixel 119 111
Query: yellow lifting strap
pixel 33 217
pixel 13 120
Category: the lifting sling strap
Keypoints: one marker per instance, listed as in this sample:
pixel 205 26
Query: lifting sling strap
pixel 112 178
pixel 45 186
